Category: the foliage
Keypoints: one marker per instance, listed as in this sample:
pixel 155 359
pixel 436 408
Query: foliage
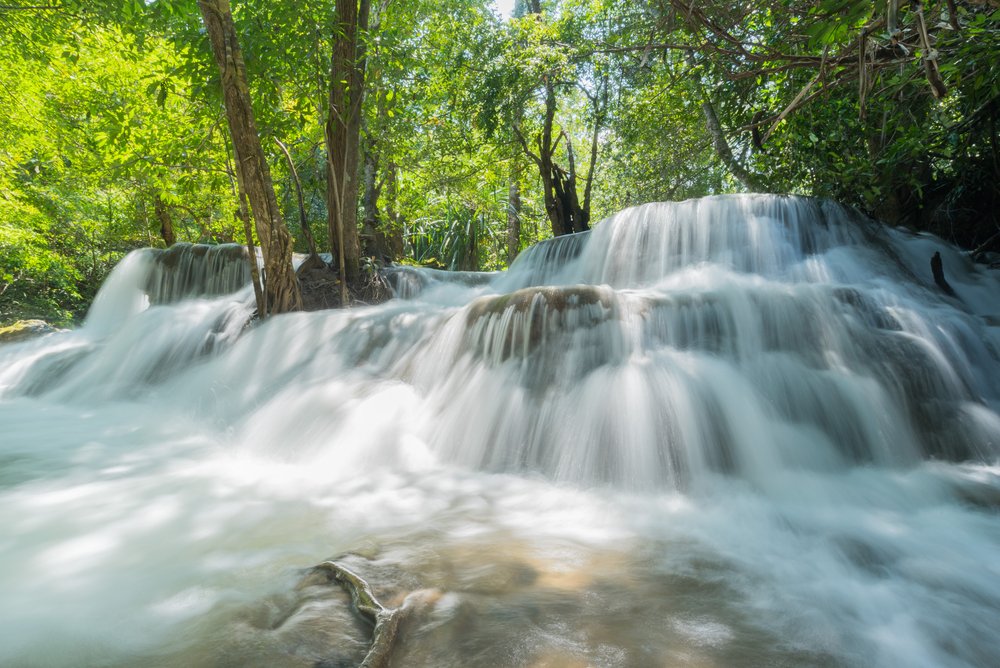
pixel 93 127
pixel 112 106
pixel 895 112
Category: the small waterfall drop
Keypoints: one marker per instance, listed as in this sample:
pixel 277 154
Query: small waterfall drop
pixel 739 430
pixel 152 276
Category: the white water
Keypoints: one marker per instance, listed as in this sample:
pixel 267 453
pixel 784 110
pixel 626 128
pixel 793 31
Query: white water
pixel 736 431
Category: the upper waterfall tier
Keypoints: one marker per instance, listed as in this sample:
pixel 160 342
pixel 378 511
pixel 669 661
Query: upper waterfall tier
pixel 761 234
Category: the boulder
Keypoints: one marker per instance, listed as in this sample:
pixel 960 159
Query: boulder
pixel 25 329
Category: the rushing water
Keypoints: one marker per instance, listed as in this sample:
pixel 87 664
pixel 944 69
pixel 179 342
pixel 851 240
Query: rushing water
pixel 737 431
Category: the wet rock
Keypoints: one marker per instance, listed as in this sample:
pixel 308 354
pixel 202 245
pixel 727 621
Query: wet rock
pixel 518 323
pixel 25 329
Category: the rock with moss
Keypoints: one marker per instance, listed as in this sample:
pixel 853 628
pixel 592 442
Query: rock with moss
pixel 25 329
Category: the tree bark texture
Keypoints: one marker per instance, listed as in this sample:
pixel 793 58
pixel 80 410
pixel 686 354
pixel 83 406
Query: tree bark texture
pixel 725 153
pixel 166 224
pixel 281 287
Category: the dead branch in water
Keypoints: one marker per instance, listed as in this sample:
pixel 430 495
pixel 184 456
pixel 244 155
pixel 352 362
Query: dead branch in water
pixel 385 620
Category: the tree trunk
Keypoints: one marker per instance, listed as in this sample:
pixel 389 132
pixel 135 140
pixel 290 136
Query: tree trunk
pixel 281 287
pixel 303 220
pixel 588 189
pixel 394 226
pixel 243 214
pixel 258 290
pixel 577 216
pixel 369 202
pixel 931 70
pixel 725 153
pixel 343 134
pixel 166 224
pixel 513 216
pixel 749 180
pixel 550 184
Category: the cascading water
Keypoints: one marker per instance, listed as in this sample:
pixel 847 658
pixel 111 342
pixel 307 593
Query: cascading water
pixel 736 431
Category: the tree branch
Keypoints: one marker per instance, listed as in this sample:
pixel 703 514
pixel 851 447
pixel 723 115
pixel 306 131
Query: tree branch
pixel 524 145
pixel 795 102
pixel 385 620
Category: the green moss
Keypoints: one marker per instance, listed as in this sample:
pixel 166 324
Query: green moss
pixel 25 329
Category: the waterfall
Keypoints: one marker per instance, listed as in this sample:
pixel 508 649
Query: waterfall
pixel 152 276
pixel 715 335
pixel 738 430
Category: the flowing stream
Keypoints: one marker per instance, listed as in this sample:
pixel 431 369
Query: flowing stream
pixel 735 431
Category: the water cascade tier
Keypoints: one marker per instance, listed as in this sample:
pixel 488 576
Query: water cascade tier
pixel 734 431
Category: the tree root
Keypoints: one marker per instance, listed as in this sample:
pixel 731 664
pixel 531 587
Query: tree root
pixel 385 620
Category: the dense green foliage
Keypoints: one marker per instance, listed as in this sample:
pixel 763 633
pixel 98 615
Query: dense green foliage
pixel 111 121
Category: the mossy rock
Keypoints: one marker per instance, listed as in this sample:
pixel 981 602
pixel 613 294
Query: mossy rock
pixel 25 329
pixel 549 298
pixel 520 322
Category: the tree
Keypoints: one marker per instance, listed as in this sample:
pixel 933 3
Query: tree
pixel 87 154
pixel 890 107
pixel 343 135
pixel 559 185
pixel 281 289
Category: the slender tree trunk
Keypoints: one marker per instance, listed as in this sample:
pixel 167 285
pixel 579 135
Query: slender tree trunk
pixel 725 153
pixel 931 71
pixel 599 111
pixel 281 287
pixel 243 214
pixel 749 180
pixel 258 290
pixel 550 183
pixel 303 221
pixel 369 202
pixel 513 216
pixel 343 135
pixel 395 222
